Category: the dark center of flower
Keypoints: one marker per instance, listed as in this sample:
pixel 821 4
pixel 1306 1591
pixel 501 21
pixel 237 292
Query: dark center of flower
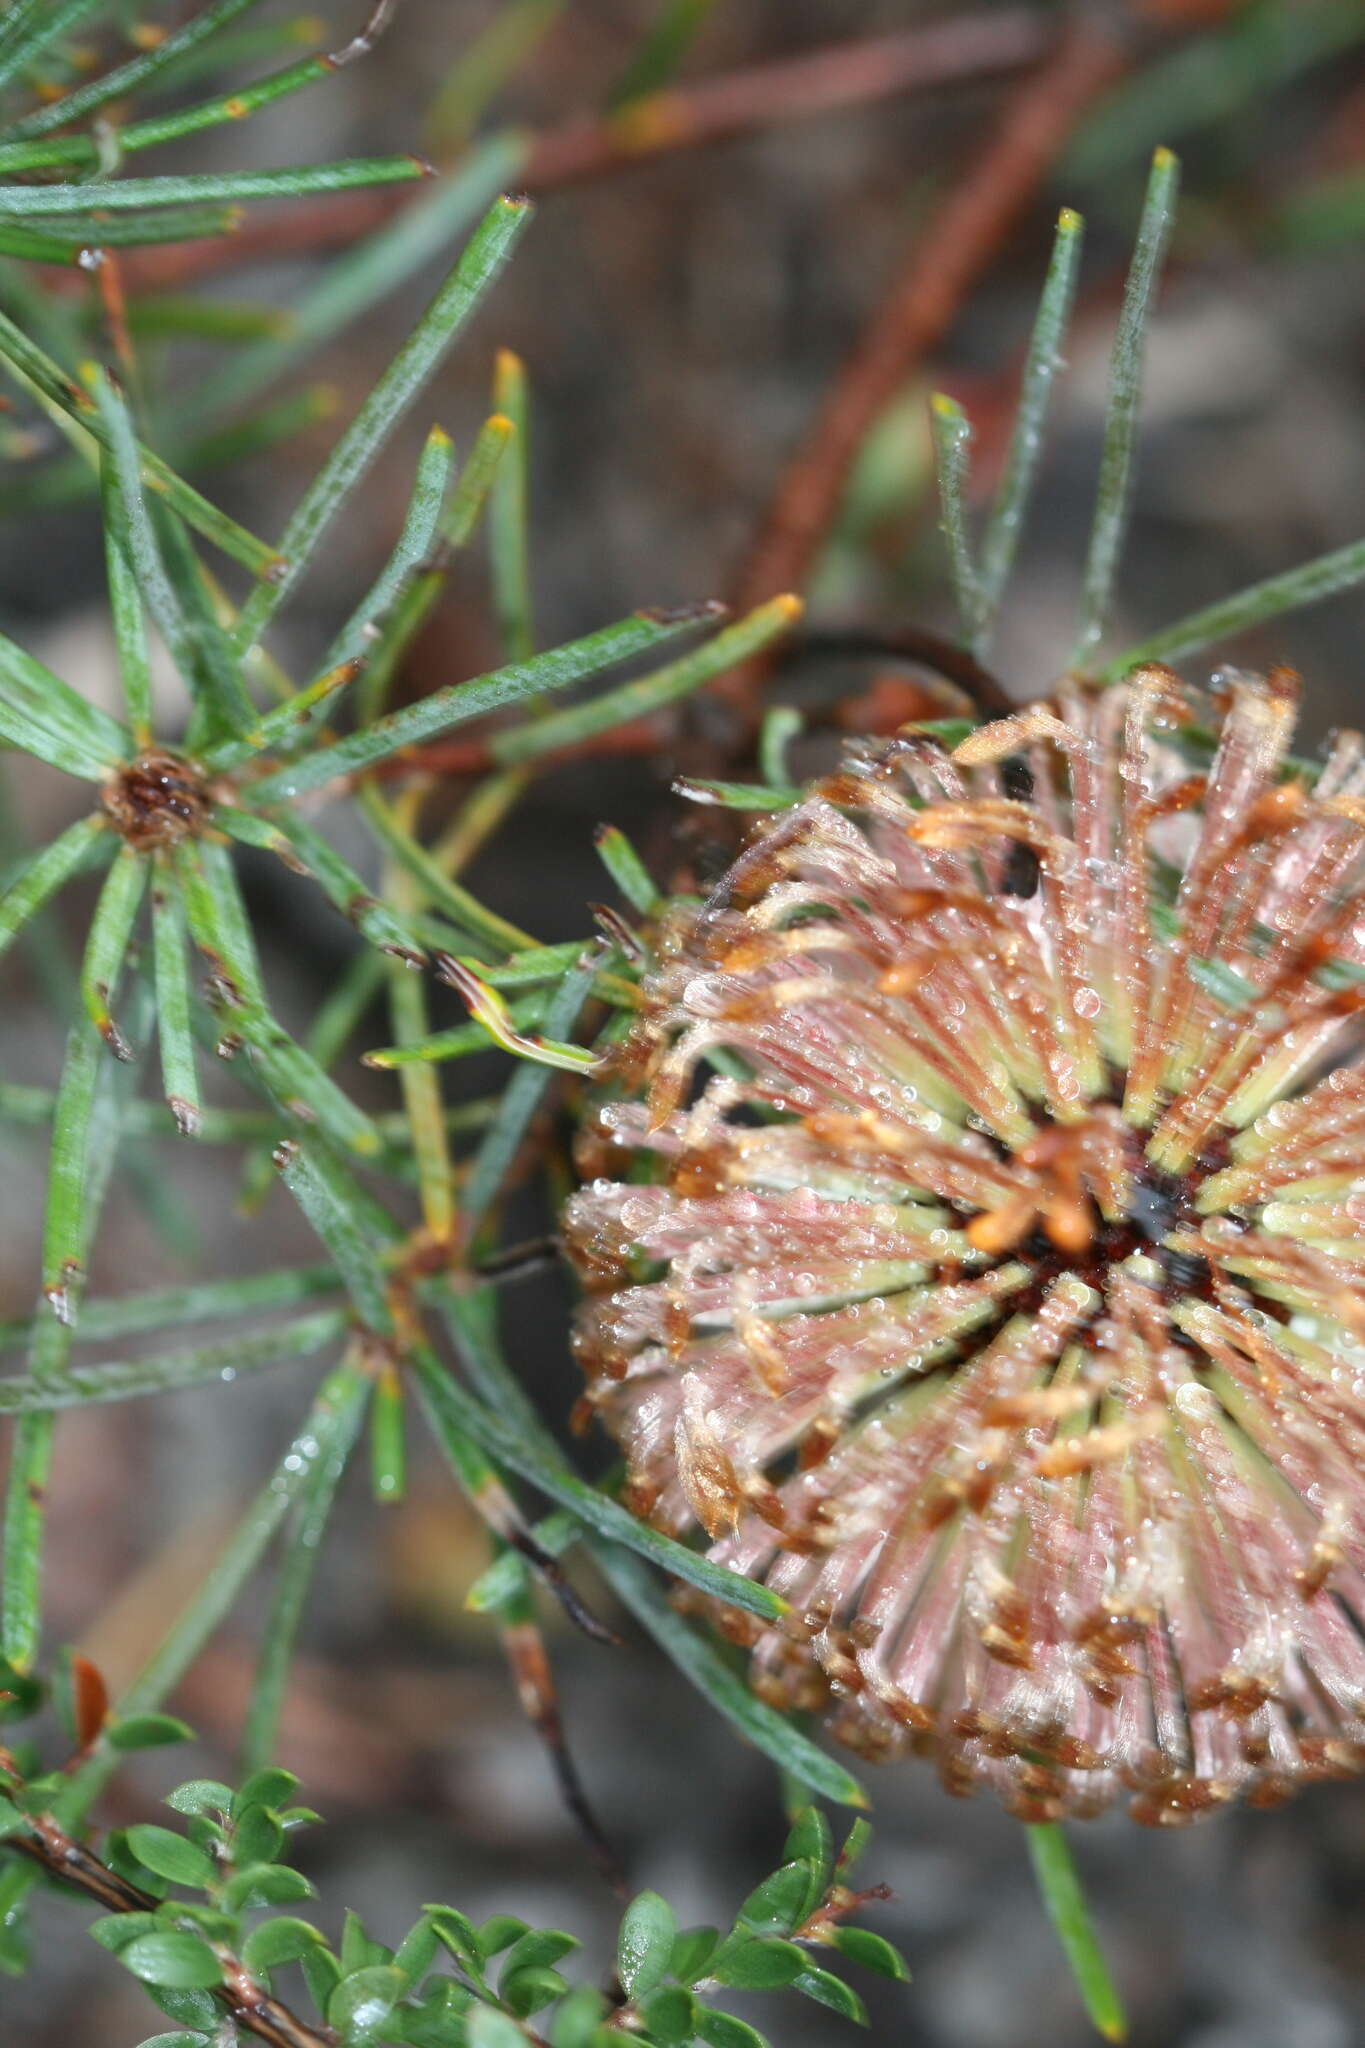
pixel 156 800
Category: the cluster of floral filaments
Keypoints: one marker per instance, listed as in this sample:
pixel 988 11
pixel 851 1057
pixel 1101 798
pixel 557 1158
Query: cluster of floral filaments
pixel 997 1294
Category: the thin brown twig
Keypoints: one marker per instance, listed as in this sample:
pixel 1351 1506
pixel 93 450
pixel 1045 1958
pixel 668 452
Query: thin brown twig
pixel 738 103
pixel 246 2002
pixel 758 96
pixel 960 241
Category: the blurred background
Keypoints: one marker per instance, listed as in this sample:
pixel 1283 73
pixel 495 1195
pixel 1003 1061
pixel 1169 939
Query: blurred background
pixel 683 314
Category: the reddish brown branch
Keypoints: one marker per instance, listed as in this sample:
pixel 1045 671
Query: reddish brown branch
pixel 960 241
pixel 790 89
pixel 739 103
pixel 247 2003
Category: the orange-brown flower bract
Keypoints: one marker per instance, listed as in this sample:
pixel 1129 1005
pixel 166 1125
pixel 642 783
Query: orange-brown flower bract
pixel 998 1295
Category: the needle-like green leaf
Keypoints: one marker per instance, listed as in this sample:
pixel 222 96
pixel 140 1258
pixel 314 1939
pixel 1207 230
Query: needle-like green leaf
pixel 42 715
pixel 395 392
pixel 27 201
pixel 303 1542
pixel 521 1098
pixel 1309 583
pixel 1113 497
pixel 179 1068
pixel 509 552
pixel 340 1399
pixel 952 434
pixel 459 702
pixel 41 876
pixel 449 1406
pixel 77 415
pixel 300 845
pixel 546 735
pixel 106 947
pixel 1066 1909
pixel 163 1372
pixel 1041 365
pixel 345 1223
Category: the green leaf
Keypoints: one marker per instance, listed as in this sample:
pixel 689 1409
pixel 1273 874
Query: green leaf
pixel 180 1962
pixel 736 796
pixel 270 1785
pixel 129 1379
pixel 343 1389
pixel 700 1661
pixel 723 2030
pixel 302 1550
pixel 451 1409
pixel 457 1933
pixel 106 947
pixel 370 272
pixel 265 1884
pixel 45 872
pixel 647 694
pixel 171 1856
pixel 179 1069
pixel 191 634
pixel 500 1932
pixel 115 1931
pixel 575 2024
pixel 1044 360
pixel 747 1963
pixel 1066 1909
pixel 416 1952
pixel 321 1190
pixel 1125 391
pixel 529 1991
pixel 459 702
pixel 507 516
pixel 827 1989
pixel 434 470
pixel 276 1942
pixel 180 2039
pixel 644 1944
pixel 1323 577
pixel 488 2028
pixel 521 1098
pixel 24 201
pixel 669 2015
pixel 855 1847
pixel 147 1731
pixel 78 417
pixel 810 1840
pixel 626 869
pixel 257 1834
pixel 200 1796
pixel 362 2002
pixel 952 434
pixel 778 1904
pixel 391 397
pixel 860 1945
pixel 692 1951
pixel 298 842
pixel 43 716
pixel 539 1949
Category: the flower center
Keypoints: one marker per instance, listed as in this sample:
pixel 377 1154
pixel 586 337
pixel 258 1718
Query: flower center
pixel 156 800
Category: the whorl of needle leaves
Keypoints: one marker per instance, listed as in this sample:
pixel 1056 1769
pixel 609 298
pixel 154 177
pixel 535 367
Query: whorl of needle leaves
pixel 998 1299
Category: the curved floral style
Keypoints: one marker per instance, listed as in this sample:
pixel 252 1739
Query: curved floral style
pixel 999 1295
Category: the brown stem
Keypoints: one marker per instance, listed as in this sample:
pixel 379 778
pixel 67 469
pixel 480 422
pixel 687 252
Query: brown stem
pixel 789 89
pixel 960 241
pixel 246 2002
pixel 739 103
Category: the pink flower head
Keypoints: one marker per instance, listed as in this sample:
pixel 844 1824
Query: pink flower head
pixel 981 1265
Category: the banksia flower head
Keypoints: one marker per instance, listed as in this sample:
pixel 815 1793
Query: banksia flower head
pixel 998 1297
